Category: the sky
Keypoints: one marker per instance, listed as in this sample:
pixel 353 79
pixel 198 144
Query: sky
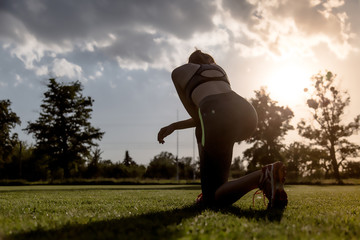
pixel 123 53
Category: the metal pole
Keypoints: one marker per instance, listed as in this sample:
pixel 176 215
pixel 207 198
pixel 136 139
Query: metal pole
pixel 20 160
pixel 177 148
pixel 194 161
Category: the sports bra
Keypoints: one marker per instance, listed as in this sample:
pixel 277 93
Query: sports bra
pixel 198 78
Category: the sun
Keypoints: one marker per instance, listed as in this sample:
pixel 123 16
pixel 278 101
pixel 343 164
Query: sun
pixel 286 84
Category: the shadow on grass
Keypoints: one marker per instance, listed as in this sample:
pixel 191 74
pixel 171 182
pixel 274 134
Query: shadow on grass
pixel 273 215
pixel 156 225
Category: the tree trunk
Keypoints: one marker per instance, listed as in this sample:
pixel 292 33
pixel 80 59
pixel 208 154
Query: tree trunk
pixel 335 164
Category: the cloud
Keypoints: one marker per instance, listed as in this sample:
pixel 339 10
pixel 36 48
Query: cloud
pixel 282 27
pixel 98 72
pixel 18 80
pixel 3 84
pixel 126 32
pixel 159 34
pixel 61 67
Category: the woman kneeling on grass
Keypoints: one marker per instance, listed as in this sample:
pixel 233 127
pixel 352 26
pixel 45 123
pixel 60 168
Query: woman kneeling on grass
pixel 221 118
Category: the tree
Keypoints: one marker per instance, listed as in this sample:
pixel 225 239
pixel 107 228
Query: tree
pixel 186 169
pixel 237 168
pixel 326 129
pixel 304 161
pixel 128 160
pixel 8 121
pixel 353 169
pixel 273 124
pixel 24 164
pixel 131 169
pixel 64 136
pixel 162 166
pixel 93 170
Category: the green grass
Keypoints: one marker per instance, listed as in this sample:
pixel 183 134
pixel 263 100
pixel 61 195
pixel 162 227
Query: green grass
pixel 167 212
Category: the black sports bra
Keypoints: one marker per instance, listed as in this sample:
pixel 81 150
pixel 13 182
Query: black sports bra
pixel 198 79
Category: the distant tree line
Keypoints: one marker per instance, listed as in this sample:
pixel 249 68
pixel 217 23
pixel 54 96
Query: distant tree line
pixel 66 144
pixel 65 141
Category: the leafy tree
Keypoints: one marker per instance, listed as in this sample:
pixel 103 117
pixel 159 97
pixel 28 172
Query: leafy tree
pixel 63 133
pixel 273 124
pixel 237 168
pixel 17 165
pixel 326 129
pixel 186 169
pixel 295 160
pixel 162 166
pixel 303 160
pixel 93 170
pixel 352 169
pixel 128 160
pixel 27 165
pixel 119 170
pixel 8 121
pixel 110 170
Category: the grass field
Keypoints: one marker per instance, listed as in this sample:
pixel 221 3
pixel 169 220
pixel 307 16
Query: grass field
pixel 167 212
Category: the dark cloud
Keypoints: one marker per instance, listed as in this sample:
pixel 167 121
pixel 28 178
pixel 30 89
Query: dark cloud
pixel 119 29
pixel 240 9
pixel 56 21
pixel 140 47
pixel 145 32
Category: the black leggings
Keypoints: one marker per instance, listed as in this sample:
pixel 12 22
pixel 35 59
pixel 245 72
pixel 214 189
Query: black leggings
pixel 224 119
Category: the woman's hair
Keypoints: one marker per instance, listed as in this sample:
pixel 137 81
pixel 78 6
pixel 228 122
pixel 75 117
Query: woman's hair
pixel 199 57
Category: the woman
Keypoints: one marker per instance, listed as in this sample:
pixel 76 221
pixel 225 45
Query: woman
pixel 221 118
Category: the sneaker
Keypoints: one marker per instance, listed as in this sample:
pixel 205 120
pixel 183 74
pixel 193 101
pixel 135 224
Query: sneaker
pixel 272 184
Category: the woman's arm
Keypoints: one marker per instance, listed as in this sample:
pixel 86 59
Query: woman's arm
pixel 189 123
pixel 166 131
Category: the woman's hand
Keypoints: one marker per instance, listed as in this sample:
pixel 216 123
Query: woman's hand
pixel 164 132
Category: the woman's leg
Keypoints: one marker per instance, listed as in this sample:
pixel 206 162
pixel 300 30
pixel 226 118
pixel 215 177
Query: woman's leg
pixel 230 192
pixel 214 171
pixel 215 160
pixel 222 118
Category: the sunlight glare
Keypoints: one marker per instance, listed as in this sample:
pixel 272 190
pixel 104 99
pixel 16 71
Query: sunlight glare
pixel 286 84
